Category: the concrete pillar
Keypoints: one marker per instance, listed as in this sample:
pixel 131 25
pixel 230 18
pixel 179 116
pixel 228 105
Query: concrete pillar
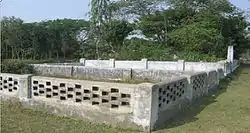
pixel 181 65
pixel 112 63
pixel 145 62
pixel 146 105
pixel 83 61
pixel 230 53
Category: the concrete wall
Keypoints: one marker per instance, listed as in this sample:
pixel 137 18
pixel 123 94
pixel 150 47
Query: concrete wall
pixel 105 74
pixel 144 106
pixel 180 65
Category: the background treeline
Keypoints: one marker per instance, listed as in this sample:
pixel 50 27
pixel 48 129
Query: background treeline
pixel 192 30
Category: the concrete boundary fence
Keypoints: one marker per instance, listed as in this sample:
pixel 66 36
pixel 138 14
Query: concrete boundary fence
pixel 180 65
pixel 144 106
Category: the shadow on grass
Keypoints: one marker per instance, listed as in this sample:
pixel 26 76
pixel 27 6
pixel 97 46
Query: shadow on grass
pixel 189 115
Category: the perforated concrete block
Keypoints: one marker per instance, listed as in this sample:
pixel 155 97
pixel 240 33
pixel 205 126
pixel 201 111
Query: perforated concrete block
pixel 197 85
pixel 212 80
pixel 15 85
pixel 172 99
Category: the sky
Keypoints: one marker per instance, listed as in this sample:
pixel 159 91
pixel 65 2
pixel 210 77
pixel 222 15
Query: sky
pixel 38 10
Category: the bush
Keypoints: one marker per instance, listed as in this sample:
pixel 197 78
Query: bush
pixel 16 66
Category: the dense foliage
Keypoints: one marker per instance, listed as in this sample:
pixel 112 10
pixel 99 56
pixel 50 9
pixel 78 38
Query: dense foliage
pixel 192 30
pixel 17 67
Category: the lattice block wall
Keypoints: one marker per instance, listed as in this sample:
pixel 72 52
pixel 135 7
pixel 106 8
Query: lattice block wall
pixel 171 93
pixel 14 84
pixel 212 79
pixel 9 84
pixel 110 95
pixel 199 85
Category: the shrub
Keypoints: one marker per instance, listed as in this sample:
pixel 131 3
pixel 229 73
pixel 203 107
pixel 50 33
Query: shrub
pixel 16 66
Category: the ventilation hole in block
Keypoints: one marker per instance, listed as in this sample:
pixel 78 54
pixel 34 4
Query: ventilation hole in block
pixel 15 82
pixel 168 87
pixel 125 95
pixel 48 96
pixel 10 79
pixel 167 101
pixel 95 95
pixel 35 88
pixel 95 88
pixel 62 85
pixel 164 100
pixel 168 95
pixel 15 88
pixel 41 86
pixel 5 81
pixel 159 105
pixel 35 94
pixel 1 84
pixel 78 86
pixel 95 103
pixel 48 89
pixel 10 90
pixel 10 85
pixel 160 98
pixel 125 103
pixel 48 83
pixel 114 90
pixel 114 98
pixel 181 82
pixel 174 92
pixel 55 87
pixel 180 95
pixel 174 85
pixel 171 89
pixel 114 106
pixel 86 98
pixel 183 85
pixel 160 90
pixel 164 92
pixel 105 101
pixel 174 98
pixel 55 94
pixel 183 92
pixel 86 91
pixel 104 93
pixel 171 97
pixel 1 78
pixel 62 98
pixel 177 93
pixel 78 100
pixel 70 96
pixel 41 91
pixel 35 82
pixel 5 87
pixel 1 88
pixel 70 89
pixel 78 93
pixel 62 91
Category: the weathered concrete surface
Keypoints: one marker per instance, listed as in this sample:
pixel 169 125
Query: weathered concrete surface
pixel 78 111
pixel 101 73
pixel 154 75
pixel 11 84
pixel 53 70
pixel 145 106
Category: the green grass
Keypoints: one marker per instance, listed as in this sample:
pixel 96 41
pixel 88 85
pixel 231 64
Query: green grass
pixel 227 111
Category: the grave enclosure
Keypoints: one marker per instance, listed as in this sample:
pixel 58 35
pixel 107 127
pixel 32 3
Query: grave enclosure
pixel 144 106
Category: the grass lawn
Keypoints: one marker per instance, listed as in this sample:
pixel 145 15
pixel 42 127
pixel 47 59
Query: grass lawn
pixel 227 111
